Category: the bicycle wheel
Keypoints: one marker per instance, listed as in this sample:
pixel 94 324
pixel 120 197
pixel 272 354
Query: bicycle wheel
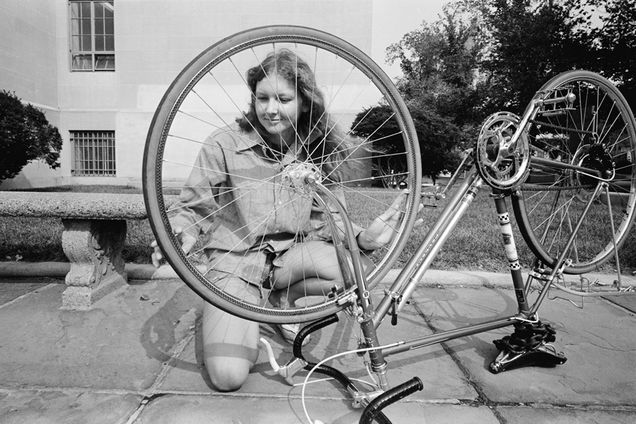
pixel 211 93
pixel 582 172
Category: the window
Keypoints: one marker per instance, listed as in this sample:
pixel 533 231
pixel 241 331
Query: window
pixel 93 153
pixel 92 35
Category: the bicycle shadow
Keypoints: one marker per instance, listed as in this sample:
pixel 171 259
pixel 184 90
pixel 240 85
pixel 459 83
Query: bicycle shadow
pixel 449 309
pixel 177 323
pixel 430 311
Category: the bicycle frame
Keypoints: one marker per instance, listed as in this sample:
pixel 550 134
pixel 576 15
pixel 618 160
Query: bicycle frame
pixel 584 157
pixel 370 317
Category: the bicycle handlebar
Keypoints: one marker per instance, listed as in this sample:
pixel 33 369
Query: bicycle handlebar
pixel 375 407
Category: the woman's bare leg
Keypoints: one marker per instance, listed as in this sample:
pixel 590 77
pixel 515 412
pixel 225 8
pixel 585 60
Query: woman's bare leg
pixel 314 263
pixel 230 344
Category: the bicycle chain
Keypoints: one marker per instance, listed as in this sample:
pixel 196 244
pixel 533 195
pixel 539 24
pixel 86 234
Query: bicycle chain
pixel 539 187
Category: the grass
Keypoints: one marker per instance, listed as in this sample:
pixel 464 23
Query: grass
pixel 40 239
pixel 475 244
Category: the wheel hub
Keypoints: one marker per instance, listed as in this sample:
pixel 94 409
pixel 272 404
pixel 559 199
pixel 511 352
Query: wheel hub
pixel 597 158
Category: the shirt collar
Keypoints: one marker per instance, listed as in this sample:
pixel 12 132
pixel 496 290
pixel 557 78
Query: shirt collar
pixel 249 140
pixel 253 138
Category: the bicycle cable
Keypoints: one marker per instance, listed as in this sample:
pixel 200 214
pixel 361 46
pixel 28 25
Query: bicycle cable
pixel 329 358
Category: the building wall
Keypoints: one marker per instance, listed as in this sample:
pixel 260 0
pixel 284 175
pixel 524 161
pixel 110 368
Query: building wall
pixel 27 50
pixel 28 66
pixel 154 40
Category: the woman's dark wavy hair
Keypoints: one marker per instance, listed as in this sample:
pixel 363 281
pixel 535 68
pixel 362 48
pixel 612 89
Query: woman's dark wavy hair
pixel 327 145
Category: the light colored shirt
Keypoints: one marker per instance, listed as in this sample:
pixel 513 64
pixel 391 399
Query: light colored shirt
pixel 236 200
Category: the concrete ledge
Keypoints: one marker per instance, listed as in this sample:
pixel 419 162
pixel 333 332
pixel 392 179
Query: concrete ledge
pixel 72 205
pixel 61 269
pixel 433 277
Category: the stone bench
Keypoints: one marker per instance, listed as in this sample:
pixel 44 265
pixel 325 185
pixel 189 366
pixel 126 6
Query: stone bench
pixel 93 237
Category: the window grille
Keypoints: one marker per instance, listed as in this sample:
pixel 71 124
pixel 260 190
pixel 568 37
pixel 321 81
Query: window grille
pixel 92 31
pixel 93 153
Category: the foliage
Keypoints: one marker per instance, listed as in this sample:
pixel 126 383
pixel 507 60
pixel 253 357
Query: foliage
pixel 481 57
pixel 437 138
pixel 529 44
pixel 614 44
pixel 25 135
pixel 530 41
pixel 439 61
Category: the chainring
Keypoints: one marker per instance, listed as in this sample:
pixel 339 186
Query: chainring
pixel 502 163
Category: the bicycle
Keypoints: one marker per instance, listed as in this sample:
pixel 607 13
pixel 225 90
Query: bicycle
pixel 566 165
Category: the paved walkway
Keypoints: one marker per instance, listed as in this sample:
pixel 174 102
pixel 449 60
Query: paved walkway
pixel 135 358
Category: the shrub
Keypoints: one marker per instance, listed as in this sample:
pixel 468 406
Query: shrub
pixel 25 135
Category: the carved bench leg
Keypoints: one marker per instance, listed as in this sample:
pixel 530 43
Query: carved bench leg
pixel 94 249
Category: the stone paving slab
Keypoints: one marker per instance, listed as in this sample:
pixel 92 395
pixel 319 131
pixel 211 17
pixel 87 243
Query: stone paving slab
pixel 11 289
pixel 627 302
pixel 66 407
pixel 565 415
pixel 441 378
pixel 598 340
pixel 121 343
pixel 247 410
pixel 141 344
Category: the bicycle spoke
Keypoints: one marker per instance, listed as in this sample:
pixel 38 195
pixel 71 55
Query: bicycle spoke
pixel 588 142
pixel 215 95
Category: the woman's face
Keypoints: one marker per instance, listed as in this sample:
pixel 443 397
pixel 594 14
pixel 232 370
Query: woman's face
pixel 277 107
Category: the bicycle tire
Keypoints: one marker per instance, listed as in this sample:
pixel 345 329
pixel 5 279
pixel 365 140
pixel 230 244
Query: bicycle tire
pixel 597 132
pixel 163 141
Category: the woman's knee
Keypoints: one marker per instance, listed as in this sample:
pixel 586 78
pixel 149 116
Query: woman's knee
pixel 227 374
pixel 313 259
pixel 230 348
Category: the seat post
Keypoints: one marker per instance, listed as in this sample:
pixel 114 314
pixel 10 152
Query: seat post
pixel 511 251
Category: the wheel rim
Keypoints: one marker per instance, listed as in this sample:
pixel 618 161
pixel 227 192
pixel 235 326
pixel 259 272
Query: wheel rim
pixel 595 133
pixel 212 91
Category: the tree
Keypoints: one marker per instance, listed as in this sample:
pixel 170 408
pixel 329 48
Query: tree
pixel 613 43
pixel 437 138
pixel 25 135
pixel 482 57
pixel 530 42
pixel 439 63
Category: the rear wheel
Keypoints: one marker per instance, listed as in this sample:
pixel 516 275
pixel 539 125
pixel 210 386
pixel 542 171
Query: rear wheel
pixel 580 193
pixel 211 92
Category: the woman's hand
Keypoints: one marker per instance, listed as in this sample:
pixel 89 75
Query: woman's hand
pixel 187 242
pixel 383 228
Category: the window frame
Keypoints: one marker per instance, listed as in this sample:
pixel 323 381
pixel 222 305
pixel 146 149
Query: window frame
pixel 93 53
pixel 93 143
